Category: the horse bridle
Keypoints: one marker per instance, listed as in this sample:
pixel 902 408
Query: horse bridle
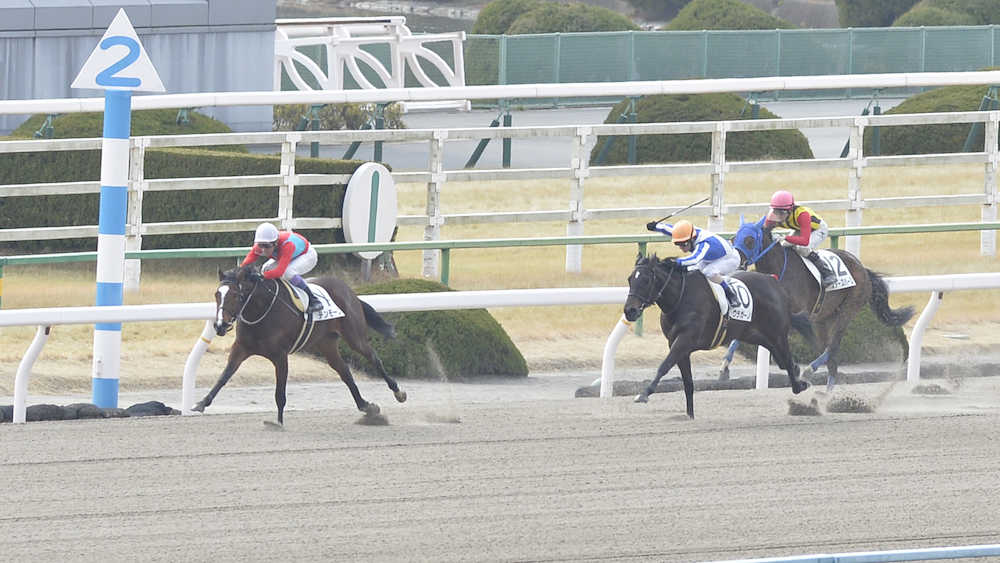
pixel 244 298
pixel 646 303
pixel 765 251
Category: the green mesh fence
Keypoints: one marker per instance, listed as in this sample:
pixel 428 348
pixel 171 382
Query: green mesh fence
pixel 670 55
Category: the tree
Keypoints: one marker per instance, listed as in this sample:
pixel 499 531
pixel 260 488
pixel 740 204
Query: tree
pixel 724 14
pixel 871 13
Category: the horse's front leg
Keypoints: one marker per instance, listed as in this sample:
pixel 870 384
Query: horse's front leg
pixel 280 362
pixel 678 349
pixel 684 363
pixel 237 354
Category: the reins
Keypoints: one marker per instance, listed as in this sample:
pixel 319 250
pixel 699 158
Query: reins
pixel 765 251
pixel 249 298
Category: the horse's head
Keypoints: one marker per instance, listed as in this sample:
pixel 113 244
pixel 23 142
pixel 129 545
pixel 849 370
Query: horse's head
pixel 751 241
pixel 646 283
pixel 235 287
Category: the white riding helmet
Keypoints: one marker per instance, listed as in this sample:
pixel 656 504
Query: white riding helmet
pixel 266 232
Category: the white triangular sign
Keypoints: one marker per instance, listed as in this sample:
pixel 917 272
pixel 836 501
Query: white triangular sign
pixel 119 62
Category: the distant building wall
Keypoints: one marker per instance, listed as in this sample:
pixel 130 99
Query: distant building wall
pixel 195 45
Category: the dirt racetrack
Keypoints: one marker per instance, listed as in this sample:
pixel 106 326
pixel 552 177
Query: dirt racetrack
pixel 524 475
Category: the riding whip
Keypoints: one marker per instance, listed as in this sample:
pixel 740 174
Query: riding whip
pixel 685 209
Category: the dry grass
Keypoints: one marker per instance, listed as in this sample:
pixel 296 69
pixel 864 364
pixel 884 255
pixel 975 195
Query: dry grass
pixel 550 337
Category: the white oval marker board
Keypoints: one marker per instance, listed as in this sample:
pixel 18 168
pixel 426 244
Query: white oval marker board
pixel 370 209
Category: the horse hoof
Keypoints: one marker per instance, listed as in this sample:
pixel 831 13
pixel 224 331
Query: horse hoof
pixel 200 407
pixel 802 386
pixel 372 409
pixel 400 396
pixel 806 372
pixel 274 425
pixel 724 374
pixel 641 398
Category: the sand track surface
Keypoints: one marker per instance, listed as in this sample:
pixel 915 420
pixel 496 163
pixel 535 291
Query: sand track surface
pixel 531 476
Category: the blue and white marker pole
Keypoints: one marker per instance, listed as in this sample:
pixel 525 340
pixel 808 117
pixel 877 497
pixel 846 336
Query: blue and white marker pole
pixel 118 65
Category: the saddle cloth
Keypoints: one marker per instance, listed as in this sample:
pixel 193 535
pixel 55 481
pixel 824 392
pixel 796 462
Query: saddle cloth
pixel 844 277
pixel 744 312
pixel 330 309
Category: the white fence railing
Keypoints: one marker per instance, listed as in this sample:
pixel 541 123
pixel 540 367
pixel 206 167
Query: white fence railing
pixel 576 172
pixel 920 554
pixel 938 284
pixel 45 318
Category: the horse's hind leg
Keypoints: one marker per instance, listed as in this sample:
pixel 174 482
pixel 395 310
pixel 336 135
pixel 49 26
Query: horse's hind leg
pixel 783 356
pixel 728 359
pixel 832 349
pixel 332 355
pixel 237 355
pixel 363 347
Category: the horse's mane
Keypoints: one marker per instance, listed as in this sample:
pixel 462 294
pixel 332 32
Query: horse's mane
pixel 668 263
pixel 234 273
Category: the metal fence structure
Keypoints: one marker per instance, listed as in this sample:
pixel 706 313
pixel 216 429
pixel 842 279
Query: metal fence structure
pixel 620 56
pixel 670 55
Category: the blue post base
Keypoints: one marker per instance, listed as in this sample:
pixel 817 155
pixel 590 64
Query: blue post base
pixel 105 392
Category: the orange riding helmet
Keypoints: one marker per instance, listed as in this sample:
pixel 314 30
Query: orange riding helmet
pixel 683 231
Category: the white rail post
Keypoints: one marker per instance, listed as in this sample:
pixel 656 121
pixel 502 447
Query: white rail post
pixel 988 239
pixel 917 337
pixel 191 367
pixel 286 192
pixel 133 222
pixel 580 163
pixel 855 201
pixel 24 372
pixel 608 359
pixel 434 219
pixel 763 367
pixel 716 221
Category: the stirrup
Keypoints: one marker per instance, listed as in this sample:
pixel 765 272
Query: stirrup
pixel 314 306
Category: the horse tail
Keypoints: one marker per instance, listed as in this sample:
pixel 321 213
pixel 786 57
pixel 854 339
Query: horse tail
pixel 880 303
pixel 802 324
pixel 376 321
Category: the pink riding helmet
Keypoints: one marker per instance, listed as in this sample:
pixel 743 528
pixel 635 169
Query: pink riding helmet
pixel 781 199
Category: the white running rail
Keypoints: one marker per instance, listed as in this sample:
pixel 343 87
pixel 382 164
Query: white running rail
pixel 938 284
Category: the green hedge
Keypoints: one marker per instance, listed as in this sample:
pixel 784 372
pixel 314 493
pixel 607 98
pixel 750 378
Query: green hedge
pixel 724 14
pixel 871 13
pixel 931 139
pixel 696 147
pixel 468 343
pixel 144 122
pixel 186 205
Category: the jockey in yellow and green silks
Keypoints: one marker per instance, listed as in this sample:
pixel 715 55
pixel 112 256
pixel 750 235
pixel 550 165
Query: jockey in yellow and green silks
pixel 810 230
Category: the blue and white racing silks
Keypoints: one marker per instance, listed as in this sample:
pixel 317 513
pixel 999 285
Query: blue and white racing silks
pixel 708 247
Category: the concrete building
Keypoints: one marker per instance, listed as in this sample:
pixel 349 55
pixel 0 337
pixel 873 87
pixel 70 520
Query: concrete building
pixel 195 46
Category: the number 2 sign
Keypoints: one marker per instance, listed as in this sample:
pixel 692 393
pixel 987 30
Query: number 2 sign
pixel 119 62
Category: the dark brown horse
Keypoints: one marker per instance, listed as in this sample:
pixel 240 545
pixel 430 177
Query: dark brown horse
pixel 269 325
pixel 689 318
pixel 830 316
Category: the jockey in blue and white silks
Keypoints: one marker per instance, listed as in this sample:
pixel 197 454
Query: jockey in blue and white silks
pixel 709 253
